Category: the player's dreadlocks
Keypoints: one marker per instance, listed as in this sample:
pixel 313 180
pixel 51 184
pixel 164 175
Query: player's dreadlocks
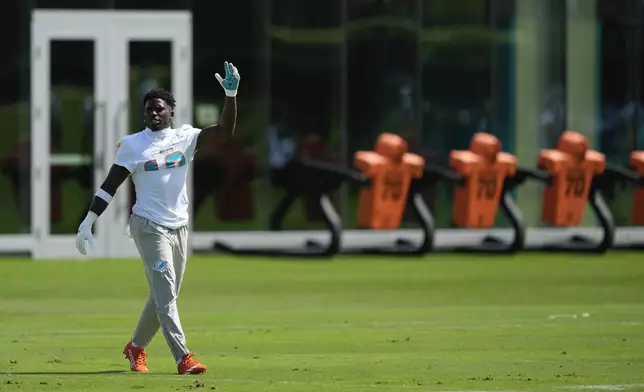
pixel 161 94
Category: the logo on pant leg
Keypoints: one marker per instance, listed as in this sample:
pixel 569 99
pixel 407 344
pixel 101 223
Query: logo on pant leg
pixel 161 266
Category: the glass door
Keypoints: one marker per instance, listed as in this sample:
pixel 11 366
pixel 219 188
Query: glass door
pixel 69 93
pixel 147 50
pixel 84 100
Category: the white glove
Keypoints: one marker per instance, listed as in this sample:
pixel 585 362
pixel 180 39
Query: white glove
pixel 84 237
pixel 231 82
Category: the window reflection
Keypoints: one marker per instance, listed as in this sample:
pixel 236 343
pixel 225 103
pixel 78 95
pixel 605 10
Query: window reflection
pixel 305 77
pixel 466 71
pixel 435 71
pixel 621 108
pixel 14 114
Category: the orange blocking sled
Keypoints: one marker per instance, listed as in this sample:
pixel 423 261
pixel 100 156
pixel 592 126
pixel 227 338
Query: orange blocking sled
pixel 572 167
pixel 481 176
pixel 484 167
pixel 391 169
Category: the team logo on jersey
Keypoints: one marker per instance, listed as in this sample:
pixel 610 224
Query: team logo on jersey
pixel 161 266
pixel 162 151
pixel 165 150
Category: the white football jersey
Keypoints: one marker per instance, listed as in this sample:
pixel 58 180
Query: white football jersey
pixel 158 161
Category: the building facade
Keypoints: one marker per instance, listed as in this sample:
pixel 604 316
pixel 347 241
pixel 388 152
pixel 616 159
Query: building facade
pixel 326 77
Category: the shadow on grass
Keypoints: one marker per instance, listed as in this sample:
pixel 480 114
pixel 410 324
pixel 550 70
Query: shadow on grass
pixel 62 373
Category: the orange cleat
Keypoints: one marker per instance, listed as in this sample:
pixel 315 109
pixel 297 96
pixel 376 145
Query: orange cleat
pixel 136 356
pixel 189 365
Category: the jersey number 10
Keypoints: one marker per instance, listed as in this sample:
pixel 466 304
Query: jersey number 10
pixel 175 159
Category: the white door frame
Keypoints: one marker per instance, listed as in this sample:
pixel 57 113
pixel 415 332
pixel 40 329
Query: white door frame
pixel 111 32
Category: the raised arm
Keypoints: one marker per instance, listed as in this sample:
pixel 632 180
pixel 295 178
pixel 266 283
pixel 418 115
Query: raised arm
pixel 226 126
pixel 228 118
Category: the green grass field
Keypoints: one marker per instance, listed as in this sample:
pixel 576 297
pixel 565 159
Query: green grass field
pixel 444 323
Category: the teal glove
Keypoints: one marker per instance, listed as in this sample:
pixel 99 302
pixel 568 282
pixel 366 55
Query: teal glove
pixel 231 82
